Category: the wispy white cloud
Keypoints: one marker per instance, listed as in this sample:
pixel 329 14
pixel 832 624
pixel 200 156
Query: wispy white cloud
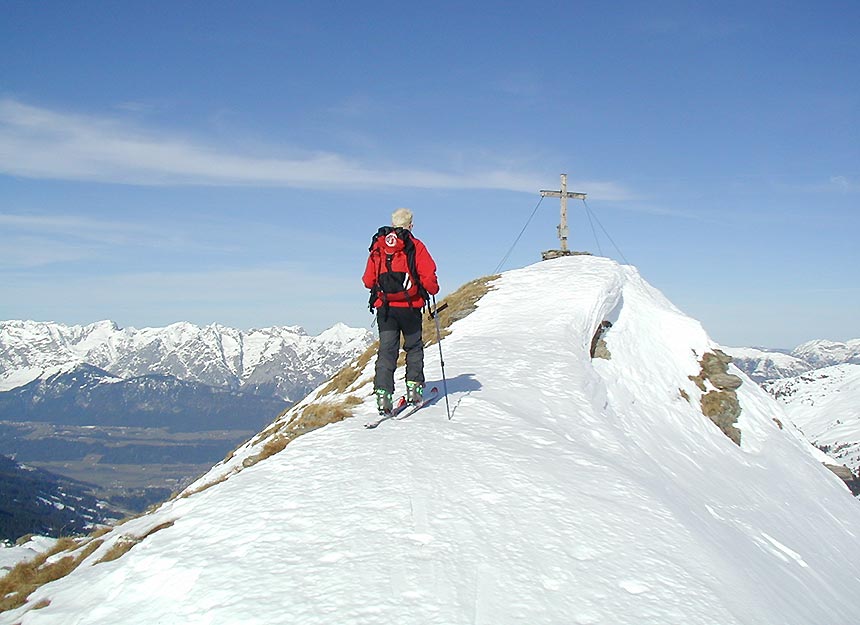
pixel 75 225
pixel 39 143
pixel 38 240
pixel 840 184
pixel 27 252
pixel 844 184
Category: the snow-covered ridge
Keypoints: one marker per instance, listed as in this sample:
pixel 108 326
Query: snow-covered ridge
pixel 565 489
pixel 281 361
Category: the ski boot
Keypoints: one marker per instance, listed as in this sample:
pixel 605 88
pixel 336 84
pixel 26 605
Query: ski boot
pixel 384 401
pixel 414 393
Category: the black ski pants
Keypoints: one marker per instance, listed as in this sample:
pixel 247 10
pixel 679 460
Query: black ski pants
pixel 393 323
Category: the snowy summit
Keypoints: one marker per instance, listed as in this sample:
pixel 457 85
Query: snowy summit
pixel 565 489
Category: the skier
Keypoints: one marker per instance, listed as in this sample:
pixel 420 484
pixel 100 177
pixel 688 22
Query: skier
pixel 401 275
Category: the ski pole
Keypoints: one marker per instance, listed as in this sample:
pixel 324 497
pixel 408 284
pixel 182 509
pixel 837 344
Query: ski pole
pixel 435 315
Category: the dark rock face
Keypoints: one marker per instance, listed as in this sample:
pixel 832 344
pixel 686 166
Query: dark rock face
pixel 598 344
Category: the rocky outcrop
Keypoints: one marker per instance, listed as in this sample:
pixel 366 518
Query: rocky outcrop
pixel 598 345
pixel 719 401
pixel 846 475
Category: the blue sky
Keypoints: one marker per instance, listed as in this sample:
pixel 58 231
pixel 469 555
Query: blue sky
pixel 228 162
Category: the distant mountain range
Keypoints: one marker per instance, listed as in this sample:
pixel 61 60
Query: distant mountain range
pixel 281 362
pixel 819 384
pixel 763 364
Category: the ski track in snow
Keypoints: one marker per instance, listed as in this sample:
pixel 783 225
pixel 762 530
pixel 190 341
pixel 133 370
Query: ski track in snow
pixel 564 490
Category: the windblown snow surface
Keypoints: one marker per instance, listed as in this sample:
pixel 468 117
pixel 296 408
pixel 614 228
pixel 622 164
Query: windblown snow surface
pixel 564 490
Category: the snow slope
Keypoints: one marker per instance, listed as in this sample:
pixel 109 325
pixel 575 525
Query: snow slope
pixel 563 490
pixel 825 404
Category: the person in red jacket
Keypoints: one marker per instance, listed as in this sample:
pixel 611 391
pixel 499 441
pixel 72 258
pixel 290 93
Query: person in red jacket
pixel 401 275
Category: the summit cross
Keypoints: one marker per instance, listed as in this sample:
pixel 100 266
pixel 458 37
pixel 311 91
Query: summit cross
pixel 564 194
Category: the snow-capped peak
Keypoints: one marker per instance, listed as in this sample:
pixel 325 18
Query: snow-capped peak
pixel 340 333
pixel 823 353
pixel 284 360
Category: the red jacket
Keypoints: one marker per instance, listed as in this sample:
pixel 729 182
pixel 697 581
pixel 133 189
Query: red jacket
pixel 426 267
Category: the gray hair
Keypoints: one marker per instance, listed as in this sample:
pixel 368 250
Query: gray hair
pixel 401 218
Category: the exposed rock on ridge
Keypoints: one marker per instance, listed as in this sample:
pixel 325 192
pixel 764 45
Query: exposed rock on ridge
pixel 720 404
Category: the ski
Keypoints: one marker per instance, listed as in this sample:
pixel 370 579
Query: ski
pixel 402 409
pixel 429 397
pixel 399 406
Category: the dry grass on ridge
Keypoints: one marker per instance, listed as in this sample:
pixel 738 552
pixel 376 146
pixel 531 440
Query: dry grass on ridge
pixel 348 376
pixel 312 417
pixel 25 577
pixel 124 543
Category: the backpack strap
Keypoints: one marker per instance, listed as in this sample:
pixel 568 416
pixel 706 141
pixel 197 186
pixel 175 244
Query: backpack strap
pixel 411 262
pixel 376 292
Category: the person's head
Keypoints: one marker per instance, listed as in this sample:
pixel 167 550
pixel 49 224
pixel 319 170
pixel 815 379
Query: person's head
pixel 402 218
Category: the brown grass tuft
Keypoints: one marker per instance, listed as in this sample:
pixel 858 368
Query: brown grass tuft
pixel 121 546
pixel 346 377
pixel 315 416
pixel 203 487
pixel 124 543
pixel 105 529
pixel 312 417
pixel 65 543
pixel 26 577
pixel 275 445
pixel 269 431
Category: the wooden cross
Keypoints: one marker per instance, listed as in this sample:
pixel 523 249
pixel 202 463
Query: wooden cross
pixel 564 194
